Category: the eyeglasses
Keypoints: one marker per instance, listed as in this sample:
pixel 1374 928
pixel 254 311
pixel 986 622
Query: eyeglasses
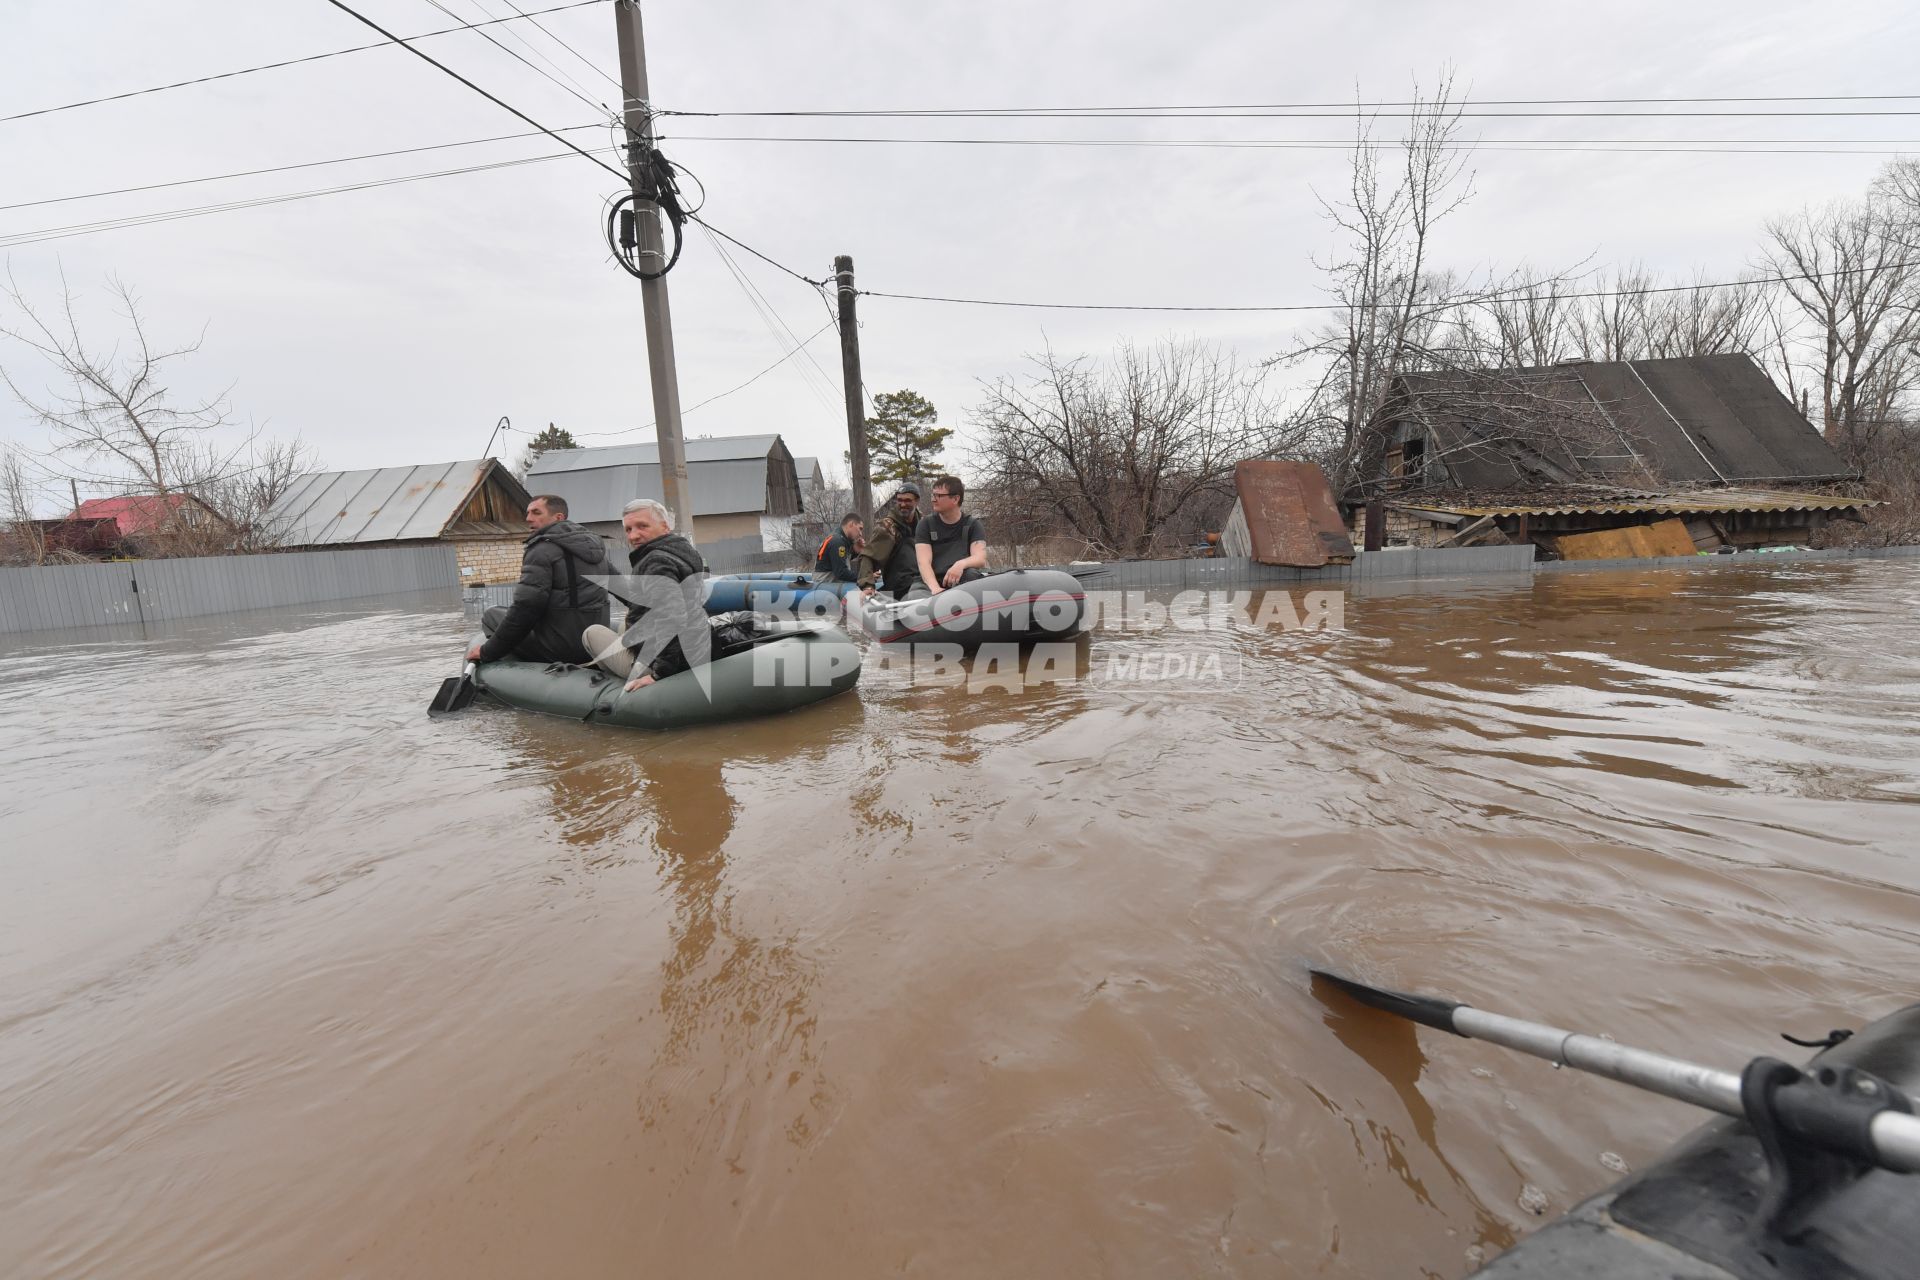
pixel 940 494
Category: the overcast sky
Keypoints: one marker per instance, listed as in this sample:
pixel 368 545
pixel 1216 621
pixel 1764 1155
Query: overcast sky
pixel 395 325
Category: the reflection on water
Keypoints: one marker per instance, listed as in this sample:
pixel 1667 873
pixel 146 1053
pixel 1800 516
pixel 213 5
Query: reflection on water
pixel 294 981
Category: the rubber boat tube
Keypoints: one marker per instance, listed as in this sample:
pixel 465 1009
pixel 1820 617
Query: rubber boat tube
pixel 1694 1212
pixel 788 595
pixel 791 670
pixel 1021 606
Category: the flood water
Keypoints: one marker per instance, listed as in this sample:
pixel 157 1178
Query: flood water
pixel 296 982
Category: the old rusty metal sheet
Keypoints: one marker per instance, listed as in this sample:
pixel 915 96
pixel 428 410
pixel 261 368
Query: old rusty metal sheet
pixel 1632 542
pixel 1290 513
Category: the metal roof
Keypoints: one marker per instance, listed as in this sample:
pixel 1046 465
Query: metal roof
pixel 392 504
pixel 699 449
pixel 725 474
pixel 1705 500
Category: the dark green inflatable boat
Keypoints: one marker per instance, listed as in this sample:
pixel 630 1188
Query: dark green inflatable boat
pixel 776 673
pixel 1731 1203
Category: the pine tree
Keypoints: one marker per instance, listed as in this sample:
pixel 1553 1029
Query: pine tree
pixel 552 438
pixel 902 441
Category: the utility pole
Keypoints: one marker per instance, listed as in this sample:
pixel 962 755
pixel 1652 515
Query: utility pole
pixel 73 487
pixel 638 113
pixel 856 398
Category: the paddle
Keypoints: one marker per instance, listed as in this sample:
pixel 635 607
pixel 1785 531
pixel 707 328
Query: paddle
pixel 1890 1138
pixel 455 693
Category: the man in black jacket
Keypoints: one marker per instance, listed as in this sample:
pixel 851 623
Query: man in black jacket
pixel 838 553
pixel 556 598
pixel 662 611
pixel 888 561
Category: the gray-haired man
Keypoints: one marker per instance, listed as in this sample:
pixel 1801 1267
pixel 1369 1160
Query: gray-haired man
pixel 657 552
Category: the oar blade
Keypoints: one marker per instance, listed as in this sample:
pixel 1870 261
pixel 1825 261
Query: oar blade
pixel 1428 1011
pixel 454 694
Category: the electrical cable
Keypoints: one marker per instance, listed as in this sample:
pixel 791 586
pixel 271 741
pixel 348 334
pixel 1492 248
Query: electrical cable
pixel 290 62
pixel 818 284
pixel 774 325
pixel 1543 144
pixel 1651 146
pixel 288 168
pixel 548 75
pixel 1387 306
pixel 1341 110
pixel 344 8
pixel 595 67
pixel 533 49
pixel 597 435
pixel 174 215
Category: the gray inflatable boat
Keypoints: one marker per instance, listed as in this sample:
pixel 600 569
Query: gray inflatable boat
pixel 775 673
pixel 1021 606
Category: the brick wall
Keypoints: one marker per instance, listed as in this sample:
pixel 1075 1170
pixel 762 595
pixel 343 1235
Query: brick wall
pixel 485 563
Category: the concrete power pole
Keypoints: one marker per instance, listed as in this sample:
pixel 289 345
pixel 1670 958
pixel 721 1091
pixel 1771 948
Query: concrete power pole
pixel 856 398
pixel 638 114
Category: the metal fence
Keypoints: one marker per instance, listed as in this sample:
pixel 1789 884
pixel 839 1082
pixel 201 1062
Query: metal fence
pixel 1398 564
pixel 85 595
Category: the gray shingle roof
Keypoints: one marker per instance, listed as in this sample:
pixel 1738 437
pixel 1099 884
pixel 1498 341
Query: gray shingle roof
pixel 1701 420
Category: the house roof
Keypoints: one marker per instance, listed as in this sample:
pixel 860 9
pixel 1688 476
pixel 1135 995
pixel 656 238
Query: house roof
pixel 726 474
pixel 134 513
pixel 1689 420
pixel 392 504
pixel 1705 501
pixel 699 449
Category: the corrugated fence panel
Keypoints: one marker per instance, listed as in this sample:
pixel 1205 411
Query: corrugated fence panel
pixel 84 595
pixel 78 595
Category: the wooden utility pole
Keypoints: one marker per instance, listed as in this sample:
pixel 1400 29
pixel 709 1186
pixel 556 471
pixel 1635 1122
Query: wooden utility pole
pixel 73 487
pixel 638 113
pixel 856 395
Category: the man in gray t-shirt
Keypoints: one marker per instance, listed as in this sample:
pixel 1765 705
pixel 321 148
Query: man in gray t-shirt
pixel 950 544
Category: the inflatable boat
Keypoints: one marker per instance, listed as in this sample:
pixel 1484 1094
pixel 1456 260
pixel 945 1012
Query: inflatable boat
pixel 777 672
pixel 786 595
pixel 1813 1174
pixel 1021 606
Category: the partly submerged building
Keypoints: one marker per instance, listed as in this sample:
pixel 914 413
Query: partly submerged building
pixel 745 490
pixel 1543 454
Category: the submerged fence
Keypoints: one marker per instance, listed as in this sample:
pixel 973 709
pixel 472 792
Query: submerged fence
pixel 85 595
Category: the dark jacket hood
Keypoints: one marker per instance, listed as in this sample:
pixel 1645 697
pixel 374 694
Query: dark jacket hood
pixel 582 544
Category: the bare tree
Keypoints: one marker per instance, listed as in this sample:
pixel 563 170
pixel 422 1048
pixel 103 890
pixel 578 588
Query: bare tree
pixel 22 539
pixel 1123 455
pixel 1849 274
pixel 114 421
pixel 1397 313
pixel 243 500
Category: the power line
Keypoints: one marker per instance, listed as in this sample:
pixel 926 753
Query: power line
pixel 592 65
pixel 773 322
pixel 290 62
pixel 817 284
pixel 595 435
pixel 174 215
pixel 477 89
pixel 1313 110
pixel 1383 306
pixel 1649 146
pixel 288 168
pixel 573 89
pixel 533 49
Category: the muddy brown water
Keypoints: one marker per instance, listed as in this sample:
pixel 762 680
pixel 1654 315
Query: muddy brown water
pixel 296 982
